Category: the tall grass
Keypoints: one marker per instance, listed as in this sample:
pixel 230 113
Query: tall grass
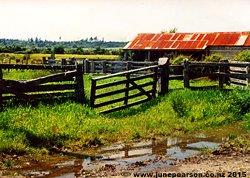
pixel 76 126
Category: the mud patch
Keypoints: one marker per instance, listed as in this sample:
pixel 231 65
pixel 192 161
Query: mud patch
pixel 143 156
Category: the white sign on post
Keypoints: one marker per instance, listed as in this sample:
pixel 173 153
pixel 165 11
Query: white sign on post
pixel 162 61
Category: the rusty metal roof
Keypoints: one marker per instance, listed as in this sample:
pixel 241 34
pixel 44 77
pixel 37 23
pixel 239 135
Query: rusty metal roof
pixel 188 41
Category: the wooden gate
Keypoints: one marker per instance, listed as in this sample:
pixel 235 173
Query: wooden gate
pixel 124 89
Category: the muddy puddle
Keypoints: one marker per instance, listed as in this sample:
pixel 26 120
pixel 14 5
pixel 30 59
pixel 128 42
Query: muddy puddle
pixel 143 156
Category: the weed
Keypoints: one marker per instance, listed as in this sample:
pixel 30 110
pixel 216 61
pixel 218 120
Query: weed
pixel 8 164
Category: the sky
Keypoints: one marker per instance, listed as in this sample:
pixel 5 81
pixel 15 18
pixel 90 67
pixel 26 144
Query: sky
pixel 119 20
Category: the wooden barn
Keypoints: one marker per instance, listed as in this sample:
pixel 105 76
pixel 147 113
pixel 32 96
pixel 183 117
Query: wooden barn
pixel 151 46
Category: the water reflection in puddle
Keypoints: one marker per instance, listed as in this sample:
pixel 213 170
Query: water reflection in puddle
pixel 142 156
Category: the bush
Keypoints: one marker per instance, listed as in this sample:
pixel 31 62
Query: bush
pixel 243 56
pixel 214 57
pixel 179 59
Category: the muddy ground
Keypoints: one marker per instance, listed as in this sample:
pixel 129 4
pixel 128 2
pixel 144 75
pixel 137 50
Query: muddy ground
pixel 145 158
pixel 222 165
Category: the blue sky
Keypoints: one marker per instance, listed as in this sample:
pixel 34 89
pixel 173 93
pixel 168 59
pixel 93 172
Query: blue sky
pixel 118 19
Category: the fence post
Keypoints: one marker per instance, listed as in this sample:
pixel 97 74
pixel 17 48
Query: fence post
pixel 104 67
pixel 154 88
pixel 164 75
pixel 227 72
pixel 185 74
pixel 63 63
pixel 248 76
pixel 222 74
pixel 128 65
pixel 92 66
pixel 86 66
pixel 1 86
pixel 44 60
pixel 80 95
pixel 92 93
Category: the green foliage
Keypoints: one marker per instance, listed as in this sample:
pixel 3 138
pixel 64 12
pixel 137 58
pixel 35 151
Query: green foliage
pixel 44 46
pixel 24 74
pixel 73 125
pixel 59 50
pixel 243 56
pixel 179 59
pixel 214 57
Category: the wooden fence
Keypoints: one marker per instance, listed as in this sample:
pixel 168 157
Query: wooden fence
pixel 128 81
pixel 123 79
pixel 236 73
pixel 221 71
pixel 63 84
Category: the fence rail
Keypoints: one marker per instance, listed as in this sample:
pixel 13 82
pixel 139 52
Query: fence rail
pixel 126 91
pixel 123 79
pixel 68 84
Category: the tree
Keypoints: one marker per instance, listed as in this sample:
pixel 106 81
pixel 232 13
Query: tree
pixel 171 30
pixel 59 50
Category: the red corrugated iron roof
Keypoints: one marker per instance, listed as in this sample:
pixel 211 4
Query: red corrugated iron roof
pixel 188 41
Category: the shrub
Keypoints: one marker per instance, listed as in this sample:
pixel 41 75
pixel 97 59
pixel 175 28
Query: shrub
pixel 179 59
pixel 243 56
pixel 214 57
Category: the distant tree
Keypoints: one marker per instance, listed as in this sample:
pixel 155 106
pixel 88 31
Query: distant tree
pixel 79 50
pixel 99 50
pixel 59 50
pixel 171 30
pixel 36 40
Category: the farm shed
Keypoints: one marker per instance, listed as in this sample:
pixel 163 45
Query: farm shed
pixel 151 46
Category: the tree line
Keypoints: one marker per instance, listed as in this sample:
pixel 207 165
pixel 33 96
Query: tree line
pixel 90 45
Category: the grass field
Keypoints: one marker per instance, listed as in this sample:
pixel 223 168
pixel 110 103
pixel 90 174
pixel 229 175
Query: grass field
pixel 76 126
pixel 61 56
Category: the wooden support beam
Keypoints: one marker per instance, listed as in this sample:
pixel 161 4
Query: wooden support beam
pixel 125 56
pixel 141 89
pixel 148 57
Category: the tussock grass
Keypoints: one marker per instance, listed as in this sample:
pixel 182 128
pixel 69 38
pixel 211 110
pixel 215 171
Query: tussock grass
pixel 76 126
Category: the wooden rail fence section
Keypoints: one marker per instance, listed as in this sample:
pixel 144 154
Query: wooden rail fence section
pixel 126 91
pixel 236 73
pixel 68 84
pixel 90 66
pixel 123 80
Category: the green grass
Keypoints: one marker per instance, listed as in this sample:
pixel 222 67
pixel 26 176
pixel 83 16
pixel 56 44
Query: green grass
pixel 60 56
pixel 24 74
pixel 182 111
